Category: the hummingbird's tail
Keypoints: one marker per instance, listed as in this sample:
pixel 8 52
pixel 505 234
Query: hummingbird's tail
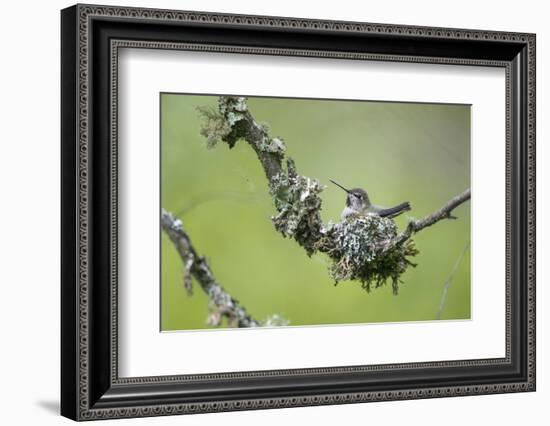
pixel 395 211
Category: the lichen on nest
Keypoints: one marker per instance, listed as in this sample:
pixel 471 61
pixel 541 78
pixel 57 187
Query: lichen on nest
pixel 362 249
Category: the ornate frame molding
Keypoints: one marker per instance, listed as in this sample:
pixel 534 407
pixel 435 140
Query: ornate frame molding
pixel 89 401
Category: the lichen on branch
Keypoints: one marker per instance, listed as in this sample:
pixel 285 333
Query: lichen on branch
pixel 365 249
pixel 296 197
pixel 221 304
pixel 232 121
pixel 298 207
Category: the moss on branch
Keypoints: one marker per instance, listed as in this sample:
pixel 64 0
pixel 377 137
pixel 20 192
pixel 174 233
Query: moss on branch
pixel 221 304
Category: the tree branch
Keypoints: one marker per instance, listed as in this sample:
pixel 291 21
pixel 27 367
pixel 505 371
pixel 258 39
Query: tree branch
pixel 295 197
pixel 444 212
pixel 368 249
pixel 223 304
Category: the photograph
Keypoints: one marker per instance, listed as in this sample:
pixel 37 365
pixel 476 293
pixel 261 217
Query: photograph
pixel 295 212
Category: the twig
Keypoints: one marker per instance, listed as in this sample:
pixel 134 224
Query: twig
pixel 443 213
pixel 449 280
pixel 224 305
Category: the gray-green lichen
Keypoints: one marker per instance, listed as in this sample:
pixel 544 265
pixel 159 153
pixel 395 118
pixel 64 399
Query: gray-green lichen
pixel 223 124
pixel 275 320
pixel 298 205
pixel 360 249
pixel 232 121
pixel 273 145
pixel 214 128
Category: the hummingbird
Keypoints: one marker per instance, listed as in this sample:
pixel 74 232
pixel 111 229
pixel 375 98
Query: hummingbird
pixel 358 204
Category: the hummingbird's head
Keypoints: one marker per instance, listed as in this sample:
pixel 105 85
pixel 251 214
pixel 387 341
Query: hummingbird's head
pixel 357 198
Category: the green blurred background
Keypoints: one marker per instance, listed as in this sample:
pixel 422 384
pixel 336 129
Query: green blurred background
pixel 396 151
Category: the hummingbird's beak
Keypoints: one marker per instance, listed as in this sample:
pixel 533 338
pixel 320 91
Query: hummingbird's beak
pixel 337 184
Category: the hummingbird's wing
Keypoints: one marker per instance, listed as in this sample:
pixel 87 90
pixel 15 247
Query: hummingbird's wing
pixel 390 212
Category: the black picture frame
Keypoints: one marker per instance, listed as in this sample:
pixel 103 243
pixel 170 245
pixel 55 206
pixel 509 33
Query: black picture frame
pixel 90 386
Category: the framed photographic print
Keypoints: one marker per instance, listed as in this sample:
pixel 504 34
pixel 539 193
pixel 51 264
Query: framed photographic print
pixel 263 212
